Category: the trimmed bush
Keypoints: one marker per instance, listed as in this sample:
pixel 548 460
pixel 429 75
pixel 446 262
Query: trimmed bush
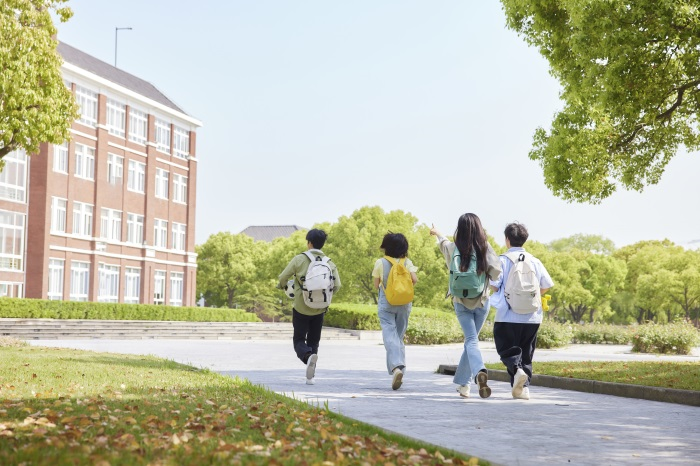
pixel 486 333
pixel 676 338
pixel 44 309
pixel 554 335
pixel 602 334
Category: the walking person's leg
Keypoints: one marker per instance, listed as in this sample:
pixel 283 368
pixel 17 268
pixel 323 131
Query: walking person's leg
pixel 387 321
pixel 300 323
pixel 508 338
pixel 313 338
pixel 401 327
pixel 528 341
pixel 481 376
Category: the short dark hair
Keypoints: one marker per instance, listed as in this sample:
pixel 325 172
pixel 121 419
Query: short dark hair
pixel 516 233
pixel 395 245
pixel 316 237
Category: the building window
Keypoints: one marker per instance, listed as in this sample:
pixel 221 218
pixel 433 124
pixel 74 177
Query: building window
pixel 11 240
pixel 134 229
pixel 82 219
pixel 179 231
pixel 58 215
pixel 13 177
pixel 176 288
pixel 181 143
pixel 159 287
pixel 116 118
pixel 60 158
pixel 84 161
pixel 179 188
pixel 137 177
pixel 115 168
pixel 111 224
pixel 162 180
pixel 160 238
pixel 11 290
pixel 55 279
pixel 79 281
pixel 132 285
pixel 163 136
pixel 138 126
pixel 109 284
pixel 87 101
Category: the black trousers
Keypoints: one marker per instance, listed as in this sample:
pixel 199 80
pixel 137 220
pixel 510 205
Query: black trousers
pixel 515 344
pixel 307 334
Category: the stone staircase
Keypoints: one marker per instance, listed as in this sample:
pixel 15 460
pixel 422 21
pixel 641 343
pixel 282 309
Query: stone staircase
pixel 74 329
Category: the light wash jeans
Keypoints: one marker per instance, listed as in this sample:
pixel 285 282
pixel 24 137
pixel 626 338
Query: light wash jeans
pixel 394 321
pixel 471 361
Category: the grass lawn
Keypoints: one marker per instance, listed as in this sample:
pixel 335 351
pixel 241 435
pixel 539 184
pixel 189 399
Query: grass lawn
pixel 63 406
pixel 681 375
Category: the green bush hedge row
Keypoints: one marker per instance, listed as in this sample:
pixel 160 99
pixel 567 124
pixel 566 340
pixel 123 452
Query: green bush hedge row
pixel 676 338
pixel 44 309
pixel 602 334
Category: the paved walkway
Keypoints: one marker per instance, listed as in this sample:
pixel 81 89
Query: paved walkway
pixel 558 426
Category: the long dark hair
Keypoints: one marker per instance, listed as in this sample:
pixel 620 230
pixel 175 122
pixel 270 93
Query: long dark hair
pixel 470 237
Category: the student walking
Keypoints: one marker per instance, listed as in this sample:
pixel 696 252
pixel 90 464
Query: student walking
pixel 315 280
pixel 470 259
pixel 518 304
pixel 394 276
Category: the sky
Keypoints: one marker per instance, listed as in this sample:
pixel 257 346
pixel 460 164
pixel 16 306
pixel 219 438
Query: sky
pixel 313 109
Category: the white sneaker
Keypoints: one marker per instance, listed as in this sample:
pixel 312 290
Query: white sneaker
pixel 463 391
pixel 397 379
pixel 519 383
pixel 311 366
pixel 525 394
pixel 310 382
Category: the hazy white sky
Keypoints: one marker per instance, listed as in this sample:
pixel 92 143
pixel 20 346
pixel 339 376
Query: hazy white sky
pixel 424 106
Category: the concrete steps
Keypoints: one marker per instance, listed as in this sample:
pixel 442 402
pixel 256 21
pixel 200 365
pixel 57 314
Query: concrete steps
pixel 74 329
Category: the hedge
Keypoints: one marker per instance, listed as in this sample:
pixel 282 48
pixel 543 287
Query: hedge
pixel 44 309
pixel 602 334
pixel 676 338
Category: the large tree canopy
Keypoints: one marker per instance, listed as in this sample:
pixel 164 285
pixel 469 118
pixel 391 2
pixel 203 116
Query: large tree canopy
pixel 35 105
pixel 630 77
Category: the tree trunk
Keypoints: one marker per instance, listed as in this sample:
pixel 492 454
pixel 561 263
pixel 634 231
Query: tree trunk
pixel 229 301
pixel 576 312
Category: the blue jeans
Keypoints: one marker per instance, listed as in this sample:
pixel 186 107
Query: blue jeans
pixel 471 361
pixel 394 321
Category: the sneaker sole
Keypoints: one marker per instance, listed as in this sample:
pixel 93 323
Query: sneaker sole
pixel 518 385
pixel 397 380
pixel 482 379
pixel 311 366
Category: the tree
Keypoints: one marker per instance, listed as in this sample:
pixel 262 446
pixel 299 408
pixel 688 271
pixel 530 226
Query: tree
pixel 590 243
pixel 630 77
pixel 35 105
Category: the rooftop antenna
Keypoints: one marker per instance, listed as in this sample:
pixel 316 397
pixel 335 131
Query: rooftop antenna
pixel 116 31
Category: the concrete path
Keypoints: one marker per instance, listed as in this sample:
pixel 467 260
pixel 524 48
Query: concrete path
pixel 554 427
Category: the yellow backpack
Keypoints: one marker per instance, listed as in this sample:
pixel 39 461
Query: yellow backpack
pixel 399 286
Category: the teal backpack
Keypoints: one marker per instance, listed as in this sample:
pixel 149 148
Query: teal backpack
pixel 467 284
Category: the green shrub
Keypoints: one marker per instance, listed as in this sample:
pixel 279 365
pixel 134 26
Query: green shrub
pixel 554 335
pixel 676 338
pixel 602 334
pixel 44 309
pixel 352 317
pixel 486 333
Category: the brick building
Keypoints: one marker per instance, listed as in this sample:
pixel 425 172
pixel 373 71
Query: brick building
pixel 110 215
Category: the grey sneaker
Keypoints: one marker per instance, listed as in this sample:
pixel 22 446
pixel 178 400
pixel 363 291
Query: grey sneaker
pixel 311 366
pixel 397 379
pixel 482 379
pixel 519 383
pixel 463 391
pixel 310 382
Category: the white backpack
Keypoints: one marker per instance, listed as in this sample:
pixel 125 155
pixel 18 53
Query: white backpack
pixel 522 288
pixel 318 283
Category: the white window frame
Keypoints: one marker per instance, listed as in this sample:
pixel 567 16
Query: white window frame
pixel 138 126
pixel 13 177
pixel 110 224
pixel 179 188
pixel 137 177
pixel 115 169
pixel 108 283
pixel 179 234
pixel 181 143
pixel 160 233
pixel 87 103
pixel 163 136
pixel 132 285
pixel 58 214
pixel 79 280
pixel 177 283
pixel 134 228
pixel 56 268
pixel 116 118
pixel 162 183
pixel 83 214
pixel 11 290
pixel 60 158
pixel 11 240
pixel 159 287
pixel 84 162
